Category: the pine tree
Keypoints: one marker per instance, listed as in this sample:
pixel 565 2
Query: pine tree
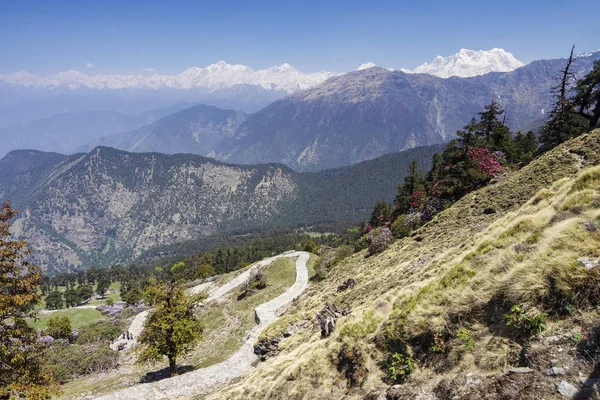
pixel 563 123
pixel 587 97
pixel 467 138
pixel 413 182
pixel 526 147
pixel 493 131
pixel 21 374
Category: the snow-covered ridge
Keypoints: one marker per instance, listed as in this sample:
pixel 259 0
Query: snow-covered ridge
pixel 370 65
pixel 468 63
pixel 216 76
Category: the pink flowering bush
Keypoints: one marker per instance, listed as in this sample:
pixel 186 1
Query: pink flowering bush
pixel 485 161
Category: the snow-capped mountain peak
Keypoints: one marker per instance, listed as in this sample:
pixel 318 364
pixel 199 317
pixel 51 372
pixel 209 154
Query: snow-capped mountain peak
pixel 468 63
pixel 366 66
pixel 220 75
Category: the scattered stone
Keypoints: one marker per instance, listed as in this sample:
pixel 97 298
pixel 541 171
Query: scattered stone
pixel 566 389
pixel 394 393
pixel 349 284
pixel 552 339
pixel 327 317
pixel 520 370
pixel 589 263
pixel 554 371
pixel 266 348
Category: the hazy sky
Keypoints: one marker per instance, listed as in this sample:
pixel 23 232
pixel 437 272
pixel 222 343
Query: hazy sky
pixel 129 36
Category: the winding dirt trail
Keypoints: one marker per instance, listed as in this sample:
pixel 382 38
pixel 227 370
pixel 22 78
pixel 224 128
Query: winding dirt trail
pixel 194 382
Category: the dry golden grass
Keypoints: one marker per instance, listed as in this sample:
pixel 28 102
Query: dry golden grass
pixel 465 272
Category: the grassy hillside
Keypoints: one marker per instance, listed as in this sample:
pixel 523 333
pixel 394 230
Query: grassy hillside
pixel 471 292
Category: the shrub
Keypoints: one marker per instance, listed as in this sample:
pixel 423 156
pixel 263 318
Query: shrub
pixel 132 296
pixel 59 328
pixel 69 361
pixel 400 367
pixel 401 228
pixel 329 258
pixel 101 331
pixel 311 246
pixel 526 321
pixel 379 239
pixel 110 301
pixel 360 244
pixel 465 336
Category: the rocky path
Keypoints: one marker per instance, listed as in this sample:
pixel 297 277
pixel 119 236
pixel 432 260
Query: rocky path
pixel 194 382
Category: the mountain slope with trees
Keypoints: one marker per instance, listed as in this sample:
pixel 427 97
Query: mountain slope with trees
pixel 109 206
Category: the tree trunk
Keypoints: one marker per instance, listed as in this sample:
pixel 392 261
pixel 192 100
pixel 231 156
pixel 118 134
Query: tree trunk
pixel 172 366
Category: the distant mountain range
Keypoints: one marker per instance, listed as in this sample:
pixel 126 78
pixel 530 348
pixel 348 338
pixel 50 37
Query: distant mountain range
pixel 66 132
pixel 355 117
pixel 108 206
pixel 220 75
pixel 341 121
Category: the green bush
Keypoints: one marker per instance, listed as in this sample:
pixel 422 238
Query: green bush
pixel 360 244
pixel 465 336
pixel 132 296
pixel 528 322
pixel 311 246
pixel 400 367
pixel 101 331
pixel 401 228
pixel 70 361
pixel 59 328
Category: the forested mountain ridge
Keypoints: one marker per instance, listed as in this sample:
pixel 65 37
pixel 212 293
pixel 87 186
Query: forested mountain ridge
pixel 109 205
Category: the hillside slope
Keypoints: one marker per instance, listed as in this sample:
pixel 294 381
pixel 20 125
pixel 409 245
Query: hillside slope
pixel 364 114
pixel 109 206
pixel 441 298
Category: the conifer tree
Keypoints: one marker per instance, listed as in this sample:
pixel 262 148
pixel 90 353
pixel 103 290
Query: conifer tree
pixel 493 131
pixel 563 123
pixel 526 147
pixel 21 373
pixel 413 182
pixel 587 97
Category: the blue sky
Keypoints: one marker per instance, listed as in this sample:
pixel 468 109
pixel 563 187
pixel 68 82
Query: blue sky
pixel 130 36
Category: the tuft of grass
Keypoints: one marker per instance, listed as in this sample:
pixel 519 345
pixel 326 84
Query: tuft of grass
pixel 362 327
pixel 589 180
